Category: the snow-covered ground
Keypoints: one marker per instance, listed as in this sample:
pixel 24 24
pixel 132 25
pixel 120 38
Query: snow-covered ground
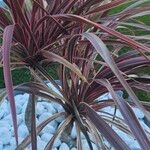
pixel 43 111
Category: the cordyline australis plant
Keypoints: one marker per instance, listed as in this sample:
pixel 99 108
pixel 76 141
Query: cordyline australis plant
pixel 83 39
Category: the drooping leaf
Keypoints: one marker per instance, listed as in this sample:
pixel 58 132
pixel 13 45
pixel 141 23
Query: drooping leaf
pixel 97 138
pixel 50 90
pixel 56 58
pixel 105 129
pixel 105 54
pixel 59 132
pixel 7 42
pixel 81 125
pixel 79 141
pixel 39 128
pixel 124 38
pixel 129 116
pixel 107 6
pixel 135 4
pixel 33 122
pixel 30 120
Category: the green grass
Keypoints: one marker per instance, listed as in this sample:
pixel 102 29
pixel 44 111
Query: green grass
pixel 23 75
pixel 18 76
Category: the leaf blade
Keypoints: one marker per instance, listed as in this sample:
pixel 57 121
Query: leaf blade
pixel 105 129
pixel 27 140
pixel 54 57
pixel 105 54
pixel 6 46
pixel 129 116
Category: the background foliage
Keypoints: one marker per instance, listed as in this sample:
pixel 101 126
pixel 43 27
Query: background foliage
pixel 22 75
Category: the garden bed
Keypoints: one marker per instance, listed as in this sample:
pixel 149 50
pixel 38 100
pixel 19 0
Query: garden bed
pixel 45 110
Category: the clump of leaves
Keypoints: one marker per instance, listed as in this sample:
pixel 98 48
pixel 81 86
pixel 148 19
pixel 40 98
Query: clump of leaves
pixel 83 39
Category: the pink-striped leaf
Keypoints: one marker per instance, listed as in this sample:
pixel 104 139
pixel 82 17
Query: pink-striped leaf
pixel 129 116
pixel 7 41
pixel 106 55
pixel 105 129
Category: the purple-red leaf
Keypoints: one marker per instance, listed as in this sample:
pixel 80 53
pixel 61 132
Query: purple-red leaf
pixel 140 47
pixel 7 41
pixel 107 6
pixel 33 123
pixel 105 129
pixel 56 58
pixel 105 54
pixel 129 116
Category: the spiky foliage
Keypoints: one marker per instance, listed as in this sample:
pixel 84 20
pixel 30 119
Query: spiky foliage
pixel 84 40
